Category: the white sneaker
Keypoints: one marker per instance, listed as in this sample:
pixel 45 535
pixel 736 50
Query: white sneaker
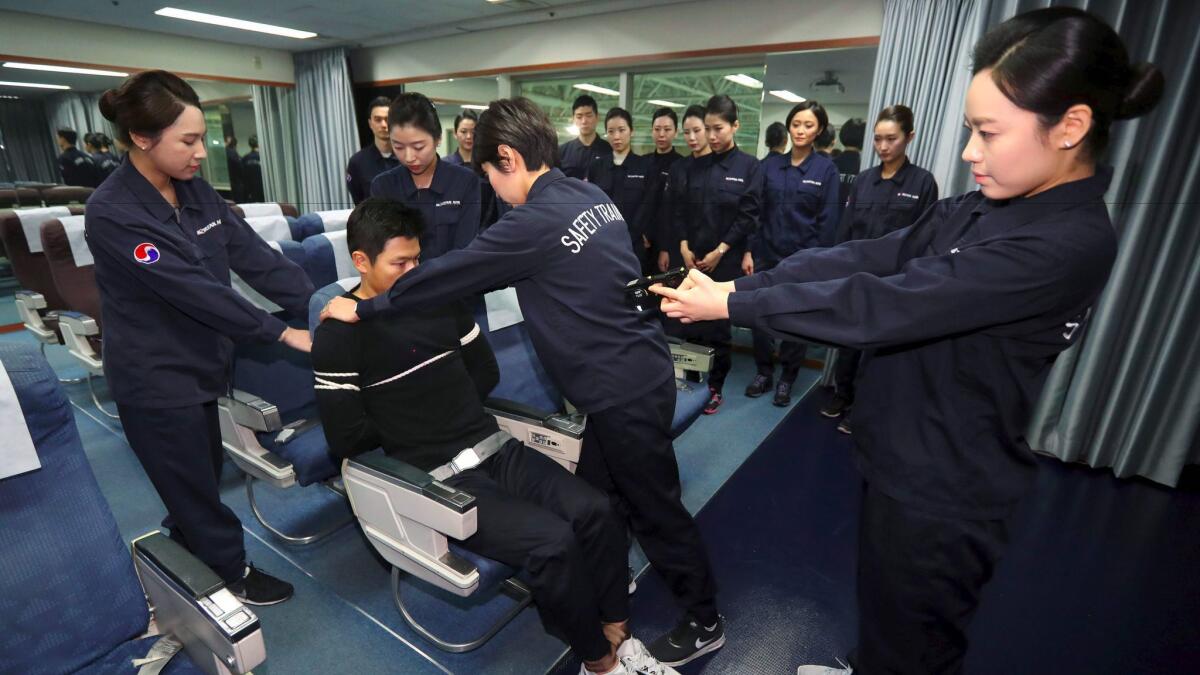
pixel 638 660
pixel 618 670
pixel 842 669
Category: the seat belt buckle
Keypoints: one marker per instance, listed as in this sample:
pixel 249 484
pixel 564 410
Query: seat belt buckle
pixel 467 459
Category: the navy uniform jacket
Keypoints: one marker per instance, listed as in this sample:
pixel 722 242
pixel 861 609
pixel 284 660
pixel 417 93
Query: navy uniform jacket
pixel 455 159
pixel 78 168
pixel 849 163
pixel 252 173
pixel 720 202
pixel 566 252
pixel 237 182
pixel 632 186
pixel 363 167
pixel 106 162
pixel 491 207
pixel 965 312
pixel 877 207
pixel 170 316
pixel 574 157
pixel 450 204
pixel 661 231
pixel 799 207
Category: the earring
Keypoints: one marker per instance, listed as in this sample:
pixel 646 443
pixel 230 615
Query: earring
pixel 1066 144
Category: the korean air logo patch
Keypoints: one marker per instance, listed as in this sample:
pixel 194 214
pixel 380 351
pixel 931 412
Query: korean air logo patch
pixel 146 253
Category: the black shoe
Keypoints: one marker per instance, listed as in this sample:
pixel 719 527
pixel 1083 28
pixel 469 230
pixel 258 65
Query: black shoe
pixel 844 425
pixel 260 588
pixel 688 641
pixel 836 407
pixel 783 394
pixel 760 386
pixel 714 401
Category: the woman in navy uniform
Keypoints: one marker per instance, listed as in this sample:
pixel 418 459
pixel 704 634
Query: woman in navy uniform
pixel 882 199
pixel 630 181
pixel 374 159
pixel 448 196
pixel 963 313
pixel 715 218
pixel 464 133
pixel 164 243
pixel 674 192
pixel 799 211
pixel 565 250
pixel 664 127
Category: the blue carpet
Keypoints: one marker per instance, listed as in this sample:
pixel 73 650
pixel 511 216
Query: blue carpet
pixel 8 309
pixel 1099 578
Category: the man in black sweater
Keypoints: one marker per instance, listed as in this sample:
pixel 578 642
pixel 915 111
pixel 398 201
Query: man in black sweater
pixel 414 383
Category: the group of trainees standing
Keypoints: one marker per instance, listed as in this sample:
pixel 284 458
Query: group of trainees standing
pixel 959 307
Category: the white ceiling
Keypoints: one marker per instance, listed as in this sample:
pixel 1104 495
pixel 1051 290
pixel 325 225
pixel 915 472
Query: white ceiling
pixel 796 71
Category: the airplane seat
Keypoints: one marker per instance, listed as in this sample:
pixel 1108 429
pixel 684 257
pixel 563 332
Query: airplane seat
pixel 38 302
pixel 317 222
pixel 74 599
pixel 66 194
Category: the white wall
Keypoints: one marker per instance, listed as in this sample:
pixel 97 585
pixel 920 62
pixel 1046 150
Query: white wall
pixel 705 24
pixel 51 38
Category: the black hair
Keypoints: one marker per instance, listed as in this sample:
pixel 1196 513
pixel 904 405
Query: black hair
pixel 722 106
pixel 825 138
pixel 101 139
pixel 619 112
pixel 379 219
pixel 465 115
pixel 585 101
pixel 853 132
pixel 1048 60
pixel 231 140
pixel 521 124
pixel 253 141
pixel 776 135
pixel 694 111
pixel 816 109
pixel 68 135
pixel 411 108
pixel 665 112
pixel 147 103
pixel 378 102
pixel 902 115
pixel 90 138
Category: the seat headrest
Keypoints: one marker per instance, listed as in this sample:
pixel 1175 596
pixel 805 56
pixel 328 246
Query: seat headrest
pixel 324 295
pixel 31 223
pixel 20 455
pixel 256 210
pixel 334 220
pixel 270 228
pixel 327 258
pixel 73 227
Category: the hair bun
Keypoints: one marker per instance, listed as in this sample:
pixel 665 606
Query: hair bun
pixel 108 107
pixel 1145 89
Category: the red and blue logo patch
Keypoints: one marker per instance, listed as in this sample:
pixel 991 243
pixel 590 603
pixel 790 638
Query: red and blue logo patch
pixel 146 253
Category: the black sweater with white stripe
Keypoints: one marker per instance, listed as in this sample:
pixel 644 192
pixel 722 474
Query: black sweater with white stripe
pixel 412 382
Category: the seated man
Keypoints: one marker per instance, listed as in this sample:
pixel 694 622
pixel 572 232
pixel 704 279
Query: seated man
pixel 414 383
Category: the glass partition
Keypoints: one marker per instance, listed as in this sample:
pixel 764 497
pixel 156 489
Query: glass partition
pixel 678 89
pixel 840 79
pixel 555 96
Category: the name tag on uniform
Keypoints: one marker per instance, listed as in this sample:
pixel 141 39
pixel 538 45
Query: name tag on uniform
pixel 809 181
pixel 208 227
pixel 734 179
pixel 634 175
pixel 448 202
pixel 907 195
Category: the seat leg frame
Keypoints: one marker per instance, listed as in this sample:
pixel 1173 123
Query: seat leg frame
pixel 520 591
pixel 298 540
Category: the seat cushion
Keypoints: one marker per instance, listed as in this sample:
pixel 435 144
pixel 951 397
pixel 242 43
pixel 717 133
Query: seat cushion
pixel 120 660
pixel 491 572
pixel 690 399
pixel 308 452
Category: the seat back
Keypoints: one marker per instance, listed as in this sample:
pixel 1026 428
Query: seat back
pixel 68 591
pixel 19 196
pixel 321 221
pixel 522 377
pixel 327 259
pixel 271 228
pixel 21 233
pixel 71 264
pixel 66 194
pixel 255 209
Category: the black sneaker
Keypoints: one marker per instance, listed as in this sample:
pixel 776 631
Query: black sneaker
pixel 760 386
pixel 783 395
pixel 836 407
pixel 260 588
pixel 844 425
pixel 688 641
pixel 714 401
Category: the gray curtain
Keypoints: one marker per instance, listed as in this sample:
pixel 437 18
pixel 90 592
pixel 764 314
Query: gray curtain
pixel 81 112
pixel 275 119
pixel 326 129
pixel 1127 396
pixel 31 154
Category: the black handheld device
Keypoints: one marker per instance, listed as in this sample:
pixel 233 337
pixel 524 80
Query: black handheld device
pixel 639 295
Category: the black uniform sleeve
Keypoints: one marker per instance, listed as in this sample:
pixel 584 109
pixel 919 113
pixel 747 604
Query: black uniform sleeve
pixel 504 253
pixel 933 296
pixel 469 215
pixel 680 212
pixel 265 269
pixel 928 195
pixel 745 223
pixel 831 208
pixel 338 384
pixel 476 352
pixel 847 213
pixel 179 279
pixel 358 191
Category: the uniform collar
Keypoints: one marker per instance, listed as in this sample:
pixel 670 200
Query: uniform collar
pixel 725 158
pixel 439 185
pixel 803 166
pixel 149 197
pixel 899 176
pixel 543 181
pixel 1059 198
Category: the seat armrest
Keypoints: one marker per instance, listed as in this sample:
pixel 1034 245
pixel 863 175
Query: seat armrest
pixel 81 324
pixel 689 356
pixel 556 435
pixel 31 299
pixel 254 412
pixel 191 603
pixel 411 478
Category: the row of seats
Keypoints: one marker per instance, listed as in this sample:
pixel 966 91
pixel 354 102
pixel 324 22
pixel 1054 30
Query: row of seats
pixel 28 195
